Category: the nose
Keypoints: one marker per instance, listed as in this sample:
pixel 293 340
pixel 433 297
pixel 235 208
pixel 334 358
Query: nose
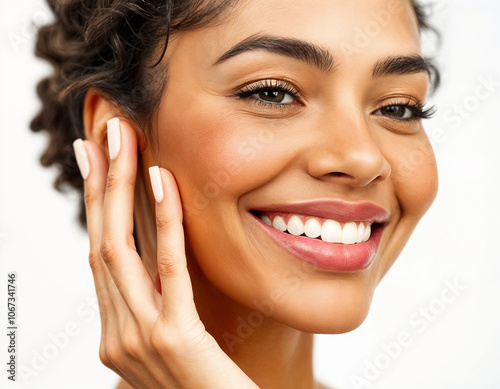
pixel 347 151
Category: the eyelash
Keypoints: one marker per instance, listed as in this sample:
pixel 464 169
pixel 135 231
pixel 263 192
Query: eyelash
pixel 417 109
pixel 246 92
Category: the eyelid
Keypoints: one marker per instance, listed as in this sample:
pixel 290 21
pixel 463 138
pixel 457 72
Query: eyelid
pixel 269 83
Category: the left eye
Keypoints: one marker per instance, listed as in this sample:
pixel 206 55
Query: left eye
pixel 400 112
pixel 273 96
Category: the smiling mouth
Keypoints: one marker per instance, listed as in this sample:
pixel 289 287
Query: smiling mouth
pixel 329 234
pixel 327 230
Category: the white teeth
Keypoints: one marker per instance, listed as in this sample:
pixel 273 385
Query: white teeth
pixel 279 224
pixel 349 233
pixel 295 226
pixel 368 232
pixel 267 220
pixel 331 231
pixel 361 233
pixel 312 228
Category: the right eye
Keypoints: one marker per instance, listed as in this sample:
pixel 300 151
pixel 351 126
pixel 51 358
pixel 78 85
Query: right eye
pixel 269 93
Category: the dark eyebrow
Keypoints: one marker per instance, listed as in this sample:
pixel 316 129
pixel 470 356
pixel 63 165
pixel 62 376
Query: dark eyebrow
pixel 401 65
pixel 302 50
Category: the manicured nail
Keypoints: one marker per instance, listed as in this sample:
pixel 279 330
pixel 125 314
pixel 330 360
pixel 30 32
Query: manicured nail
pixel 155 176
pixel 82 158
pixel 113 137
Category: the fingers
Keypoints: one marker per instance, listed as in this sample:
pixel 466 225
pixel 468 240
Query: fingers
pixel 177 293
pixel 109 203
pixel 117 248
pixel 128 300
pixel 119 274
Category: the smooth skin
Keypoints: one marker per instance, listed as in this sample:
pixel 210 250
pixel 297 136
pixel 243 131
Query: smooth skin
pixel 236 310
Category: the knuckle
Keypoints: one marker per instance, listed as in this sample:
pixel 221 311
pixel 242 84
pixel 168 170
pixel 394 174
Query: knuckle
pixel 116 179
pixel 103 356
pixel 114 353
pixel 88 196
pixel 163 222
pixel 107 250
pixel 132 346
pixel 95 261
pixel 166 222
pixel 112 181
pixel 167 265
pixel 122 347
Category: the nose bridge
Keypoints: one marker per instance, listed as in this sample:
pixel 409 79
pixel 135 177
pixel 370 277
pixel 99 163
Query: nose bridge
pixel 347 148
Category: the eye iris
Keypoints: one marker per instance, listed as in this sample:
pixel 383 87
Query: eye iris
pixel 395 110
pixel 272 95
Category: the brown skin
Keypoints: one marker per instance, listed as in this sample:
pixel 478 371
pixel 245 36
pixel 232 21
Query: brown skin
pixel 333 129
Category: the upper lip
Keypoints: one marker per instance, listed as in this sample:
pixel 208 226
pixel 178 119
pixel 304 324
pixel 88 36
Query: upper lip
pixel 339 210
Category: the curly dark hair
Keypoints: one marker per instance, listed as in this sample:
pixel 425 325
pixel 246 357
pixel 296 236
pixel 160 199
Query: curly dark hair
pixel 114 46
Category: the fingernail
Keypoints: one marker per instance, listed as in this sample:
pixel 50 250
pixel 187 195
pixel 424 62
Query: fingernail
pixel 82 158
pixel 155 176
pixel 113 137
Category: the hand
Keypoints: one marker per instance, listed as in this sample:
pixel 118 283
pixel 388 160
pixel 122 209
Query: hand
pixel 151 339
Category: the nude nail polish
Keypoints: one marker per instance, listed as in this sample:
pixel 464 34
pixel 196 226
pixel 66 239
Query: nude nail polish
pixel 82 158
pixel 113 137
pixel 156 183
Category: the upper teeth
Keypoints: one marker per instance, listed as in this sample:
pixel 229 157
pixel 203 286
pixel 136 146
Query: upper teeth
pixel 331 231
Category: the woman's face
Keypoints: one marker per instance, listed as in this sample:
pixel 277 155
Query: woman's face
pixel 313 120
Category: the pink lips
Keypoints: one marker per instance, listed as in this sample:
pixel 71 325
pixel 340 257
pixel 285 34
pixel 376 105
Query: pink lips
pixel 325 255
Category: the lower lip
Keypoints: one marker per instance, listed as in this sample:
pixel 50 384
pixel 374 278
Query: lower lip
pixel 325 255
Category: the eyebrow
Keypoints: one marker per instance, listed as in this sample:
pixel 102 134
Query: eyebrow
pixel 304 51
pixel 320 57
pixel 400 65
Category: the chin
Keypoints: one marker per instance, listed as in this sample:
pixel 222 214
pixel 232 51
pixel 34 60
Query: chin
pixel 322 305
pixel 329 320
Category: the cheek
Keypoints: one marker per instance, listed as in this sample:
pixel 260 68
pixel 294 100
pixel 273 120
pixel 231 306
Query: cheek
pixel 215 155
pixel 414 175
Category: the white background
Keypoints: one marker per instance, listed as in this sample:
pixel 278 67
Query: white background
pixel 457 347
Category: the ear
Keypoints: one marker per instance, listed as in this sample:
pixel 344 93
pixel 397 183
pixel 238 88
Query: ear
pixel 97 110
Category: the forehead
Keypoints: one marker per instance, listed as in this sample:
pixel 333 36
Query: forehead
pixel 343 26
